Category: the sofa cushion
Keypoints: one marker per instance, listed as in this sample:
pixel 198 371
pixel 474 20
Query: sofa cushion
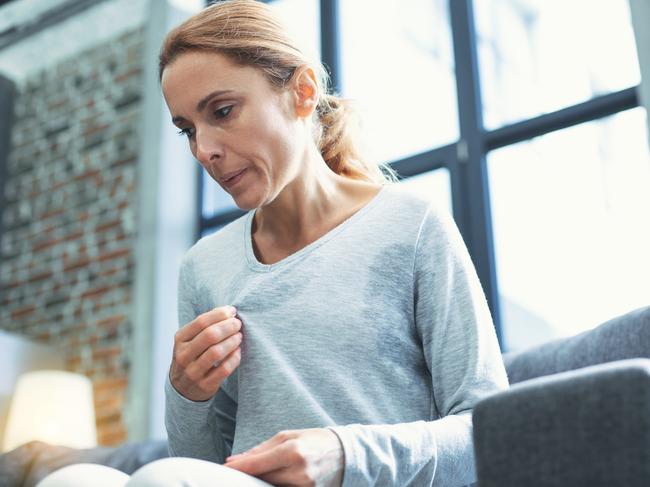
pixel 623 337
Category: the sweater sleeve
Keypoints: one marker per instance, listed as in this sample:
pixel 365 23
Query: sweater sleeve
pixel 462 353
pixel 198 429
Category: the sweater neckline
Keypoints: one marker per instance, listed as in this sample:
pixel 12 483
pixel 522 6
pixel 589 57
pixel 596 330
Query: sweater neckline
pixel 258 266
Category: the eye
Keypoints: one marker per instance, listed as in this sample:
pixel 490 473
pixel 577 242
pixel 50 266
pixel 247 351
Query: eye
pixel 186 132
pixel 223 112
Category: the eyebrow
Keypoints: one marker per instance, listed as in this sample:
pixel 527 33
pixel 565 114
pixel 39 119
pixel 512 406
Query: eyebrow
pixel 204 101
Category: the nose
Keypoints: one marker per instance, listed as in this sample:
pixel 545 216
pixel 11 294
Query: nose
pixel 209 147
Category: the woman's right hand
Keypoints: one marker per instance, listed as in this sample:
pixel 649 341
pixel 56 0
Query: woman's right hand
pixel 212 338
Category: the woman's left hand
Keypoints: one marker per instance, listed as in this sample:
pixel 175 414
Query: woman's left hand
pixel 307 457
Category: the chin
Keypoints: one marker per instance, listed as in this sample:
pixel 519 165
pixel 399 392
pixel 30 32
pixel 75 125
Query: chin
pixel 246 203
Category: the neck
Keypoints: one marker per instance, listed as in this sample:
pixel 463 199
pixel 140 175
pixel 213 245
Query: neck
pixel 314 201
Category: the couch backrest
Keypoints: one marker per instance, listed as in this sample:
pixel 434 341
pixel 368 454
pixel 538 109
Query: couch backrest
pixel 626 336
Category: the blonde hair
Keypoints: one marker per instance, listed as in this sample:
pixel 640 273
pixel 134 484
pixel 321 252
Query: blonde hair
pixel 249 34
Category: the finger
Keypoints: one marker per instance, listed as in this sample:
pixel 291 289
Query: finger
pixel 188 354
pixel 285 476
pixel 275 440
pixel 264 462
pixel 190 330
pixel 210 337
pixel 215 354
pixel 214 376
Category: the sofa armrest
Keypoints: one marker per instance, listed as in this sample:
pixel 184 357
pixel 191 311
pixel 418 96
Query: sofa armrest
pixel 589 426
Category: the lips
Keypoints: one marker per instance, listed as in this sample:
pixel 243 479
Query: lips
pixel 231 175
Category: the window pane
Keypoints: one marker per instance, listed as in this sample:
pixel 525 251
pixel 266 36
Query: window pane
pixel 570 215
pixel 302 17
pixel 215 199
pixel 397 64
pixel 433 185
pixel 538 56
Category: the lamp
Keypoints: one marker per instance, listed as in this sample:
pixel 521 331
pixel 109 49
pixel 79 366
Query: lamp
pixel 52 406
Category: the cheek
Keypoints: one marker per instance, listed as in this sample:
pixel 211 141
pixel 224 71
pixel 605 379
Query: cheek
pixel 273 135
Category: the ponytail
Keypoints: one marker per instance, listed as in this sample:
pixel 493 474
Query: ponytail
pixel 338 142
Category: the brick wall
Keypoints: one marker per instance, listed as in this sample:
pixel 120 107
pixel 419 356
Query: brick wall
pixel 69 223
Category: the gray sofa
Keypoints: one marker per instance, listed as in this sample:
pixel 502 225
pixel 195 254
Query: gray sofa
pixel 577 414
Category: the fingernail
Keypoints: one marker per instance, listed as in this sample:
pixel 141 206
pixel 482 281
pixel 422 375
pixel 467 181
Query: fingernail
pixel 232 310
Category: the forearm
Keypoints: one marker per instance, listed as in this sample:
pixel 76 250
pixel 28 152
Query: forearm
pixel 437 453
pixel 189 429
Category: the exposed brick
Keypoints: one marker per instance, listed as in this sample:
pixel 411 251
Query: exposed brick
pixel 87 175
pixel 109 406
pixel 53 213
pixel 108 225
pixel 22 313
pixel 109 385
pixel 107 437
pixel 72 363
pixel 112 320
pixel 79 263
pixel 43 337
pixel 41 276
pixel 114 254
pixel 67 254
pixel 93 129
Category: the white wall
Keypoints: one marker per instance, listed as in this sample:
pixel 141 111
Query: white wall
pixel 167 209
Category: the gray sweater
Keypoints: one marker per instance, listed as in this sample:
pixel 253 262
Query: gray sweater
pixel 378 330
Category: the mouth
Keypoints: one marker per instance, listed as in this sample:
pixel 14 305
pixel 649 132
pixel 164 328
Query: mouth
pixel 232 178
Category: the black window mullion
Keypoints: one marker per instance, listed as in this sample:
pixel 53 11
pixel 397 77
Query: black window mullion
pixel 601 106
pixel 330 41
pixel 425 162
pixel 468 169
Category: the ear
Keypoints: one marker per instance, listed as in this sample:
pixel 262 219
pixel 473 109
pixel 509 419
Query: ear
pixel 305 91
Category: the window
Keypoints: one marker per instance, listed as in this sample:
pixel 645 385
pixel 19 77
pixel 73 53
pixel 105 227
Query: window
pixel 434 186
pixel 303 18
pixel 399 70
pixel 537 56
pixel 214 199
pixel 523 119
pixel 569 210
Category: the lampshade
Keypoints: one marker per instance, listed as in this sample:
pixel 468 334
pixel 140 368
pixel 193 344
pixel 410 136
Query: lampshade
pixel 52 406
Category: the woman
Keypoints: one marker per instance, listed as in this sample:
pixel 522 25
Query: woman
pixel 337 333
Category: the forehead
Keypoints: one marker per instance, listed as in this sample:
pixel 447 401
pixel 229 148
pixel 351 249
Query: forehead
pixel 197 73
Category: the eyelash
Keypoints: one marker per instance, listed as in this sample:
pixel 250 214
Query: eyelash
pixel 227 107
pixel 188 134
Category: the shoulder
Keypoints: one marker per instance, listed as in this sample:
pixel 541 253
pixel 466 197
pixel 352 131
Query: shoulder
pixel 421 218
pixel 217 243
pixel 399 196
pixel 415 208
